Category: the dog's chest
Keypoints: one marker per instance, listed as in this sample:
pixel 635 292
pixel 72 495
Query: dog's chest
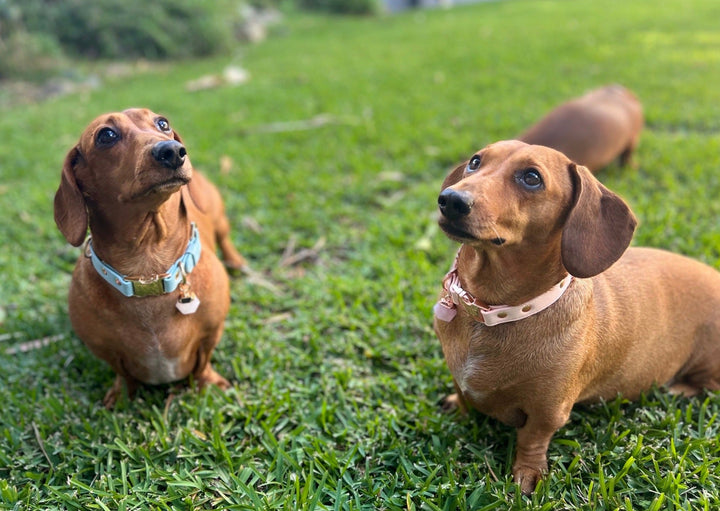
pixel 481 378
pixel 161 368
pixel 148 337
pixel 475 366
pixel 162 346
pixel 491 365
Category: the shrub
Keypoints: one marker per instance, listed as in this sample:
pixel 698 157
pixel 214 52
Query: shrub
pixel 134 28
pixel 29 56
pixel 342 6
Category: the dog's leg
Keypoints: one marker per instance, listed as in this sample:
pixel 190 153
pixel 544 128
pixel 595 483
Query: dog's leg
pixel 692 385
pixel 114 392
pixel 533 440
pixel 626 156
pixel 204 373
pixel 702 371
pixel 231 257
pixel 683 389
pixel 453 402
pixel 211 377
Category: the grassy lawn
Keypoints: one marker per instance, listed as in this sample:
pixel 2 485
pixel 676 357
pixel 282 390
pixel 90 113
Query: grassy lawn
pixel 336 370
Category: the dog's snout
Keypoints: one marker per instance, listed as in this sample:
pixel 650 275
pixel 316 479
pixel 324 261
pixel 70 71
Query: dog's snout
pixel 169 153
pixel 454 204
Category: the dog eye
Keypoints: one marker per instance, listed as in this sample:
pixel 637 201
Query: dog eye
pixel 474 163
pixel 106 137
pixel 530 179
pixel 163 124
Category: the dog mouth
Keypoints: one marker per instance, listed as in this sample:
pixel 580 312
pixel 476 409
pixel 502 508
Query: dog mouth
pixel 462 236
pixel 172 184
pixel 455 233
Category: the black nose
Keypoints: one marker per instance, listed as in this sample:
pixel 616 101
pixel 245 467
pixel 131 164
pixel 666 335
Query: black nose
pixel 454 204
pixel 169 153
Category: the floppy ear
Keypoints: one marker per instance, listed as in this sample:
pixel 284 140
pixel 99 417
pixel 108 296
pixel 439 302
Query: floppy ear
pixel 70 213
pixel 598 228
pixel 455 176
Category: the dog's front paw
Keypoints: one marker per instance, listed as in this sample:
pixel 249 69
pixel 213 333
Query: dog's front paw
pixel 111 397
pixel 527 478
pixel 114 392
pixel 452 402
pixel 211 377
pixel 236 264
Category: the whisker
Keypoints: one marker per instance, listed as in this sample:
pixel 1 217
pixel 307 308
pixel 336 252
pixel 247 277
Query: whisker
pixel 499 240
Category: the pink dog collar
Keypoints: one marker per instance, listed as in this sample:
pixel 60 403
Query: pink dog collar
pixel 446 308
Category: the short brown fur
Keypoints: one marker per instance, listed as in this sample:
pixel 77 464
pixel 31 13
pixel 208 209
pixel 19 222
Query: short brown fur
pixel 139 215
pixel 634 318
pixel 594 129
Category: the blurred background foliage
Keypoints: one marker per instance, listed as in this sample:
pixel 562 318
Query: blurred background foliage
pixel 37 37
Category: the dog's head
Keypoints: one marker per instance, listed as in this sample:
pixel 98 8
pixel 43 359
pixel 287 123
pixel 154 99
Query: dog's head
pixel 123 159
pixel 515 196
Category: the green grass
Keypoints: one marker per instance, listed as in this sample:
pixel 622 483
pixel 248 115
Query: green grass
pixel 336 376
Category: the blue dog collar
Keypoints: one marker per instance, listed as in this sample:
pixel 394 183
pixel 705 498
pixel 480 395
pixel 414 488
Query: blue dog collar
pixel 156 284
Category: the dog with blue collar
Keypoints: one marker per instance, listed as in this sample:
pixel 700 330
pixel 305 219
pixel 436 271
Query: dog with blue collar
pixel 148 295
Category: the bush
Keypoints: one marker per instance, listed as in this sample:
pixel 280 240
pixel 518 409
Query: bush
pixel 134 28
pixel 342 6
pixel 29 56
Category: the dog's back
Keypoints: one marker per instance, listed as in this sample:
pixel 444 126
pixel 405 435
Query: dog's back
pixel 594 129
pixel 663 309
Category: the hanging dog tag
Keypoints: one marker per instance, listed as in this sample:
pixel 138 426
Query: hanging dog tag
pixel 188 302
pixel 444 312
pixel 188 305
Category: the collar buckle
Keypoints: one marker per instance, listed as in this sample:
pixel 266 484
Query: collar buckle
pixel 148 286
pixel 462 298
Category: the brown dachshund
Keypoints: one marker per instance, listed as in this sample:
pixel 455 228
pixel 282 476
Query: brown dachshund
pixel 594 129
pixel 544 306
pixel 149 295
